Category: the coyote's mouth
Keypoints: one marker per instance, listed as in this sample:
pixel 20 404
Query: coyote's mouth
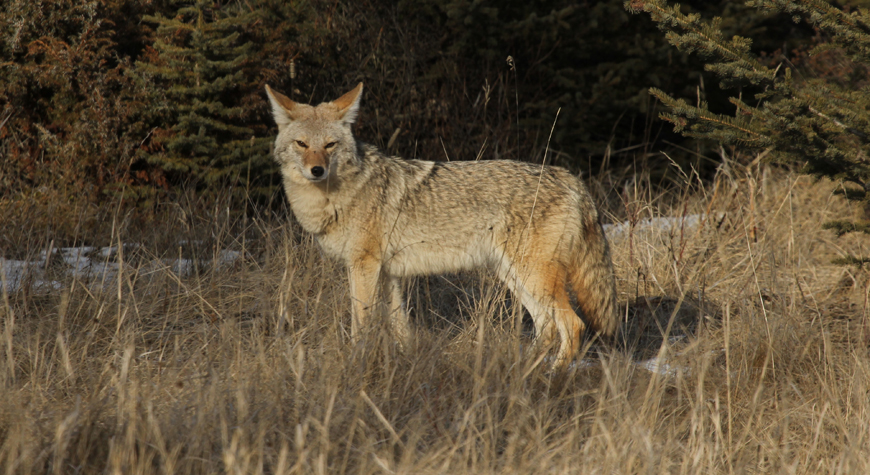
pixel 315 179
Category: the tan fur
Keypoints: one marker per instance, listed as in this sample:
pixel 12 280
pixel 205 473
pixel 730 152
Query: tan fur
pixel 387 218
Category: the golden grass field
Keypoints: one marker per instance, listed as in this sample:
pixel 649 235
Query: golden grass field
pixel 743 350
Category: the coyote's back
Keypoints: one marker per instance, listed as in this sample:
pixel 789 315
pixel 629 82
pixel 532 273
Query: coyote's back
pixel 387 218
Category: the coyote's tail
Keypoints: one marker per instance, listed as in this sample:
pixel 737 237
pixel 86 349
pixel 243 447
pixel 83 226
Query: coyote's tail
pixel 593 282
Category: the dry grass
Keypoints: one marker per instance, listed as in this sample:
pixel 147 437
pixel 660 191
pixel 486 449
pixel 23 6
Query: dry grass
pixel 248 368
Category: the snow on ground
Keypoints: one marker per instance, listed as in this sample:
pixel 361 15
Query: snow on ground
pixel 97 267
pixel 663 224
pixel 653 365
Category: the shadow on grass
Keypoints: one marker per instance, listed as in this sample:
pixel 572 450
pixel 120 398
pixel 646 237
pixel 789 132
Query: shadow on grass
pixel 648 322
pixel 448 303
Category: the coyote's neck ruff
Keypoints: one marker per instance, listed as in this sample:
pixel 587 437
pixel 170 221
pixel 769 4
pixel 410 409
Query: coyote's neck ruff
pixel 387 218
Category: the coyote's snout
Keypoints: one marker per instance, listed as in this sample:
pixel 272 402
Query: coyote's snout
pixel 387 218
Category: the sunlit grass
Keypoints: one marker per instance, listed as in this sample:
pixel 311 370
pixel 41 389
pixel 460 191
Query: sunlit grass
pixel 247 367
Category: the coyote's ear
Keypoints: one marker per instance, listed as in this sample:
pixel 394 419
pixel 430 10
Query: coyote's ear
pixel 282 107
pixel 348 105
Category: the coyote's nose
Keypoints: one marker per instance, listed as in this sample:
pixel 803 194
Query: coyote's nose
pixel 317 171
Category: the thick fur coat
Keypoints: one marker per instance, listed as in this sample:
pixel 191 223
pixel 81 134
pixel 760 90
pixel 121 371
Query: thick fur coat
pixel 387 218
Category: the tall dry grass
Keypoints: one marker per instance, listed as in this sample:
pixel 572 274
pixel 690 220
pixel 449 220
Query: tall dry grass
pixel 758 348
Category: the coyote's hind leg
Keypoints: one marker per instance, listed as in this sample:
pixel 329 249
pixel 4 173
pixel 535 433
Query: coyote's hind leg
pixel 541 290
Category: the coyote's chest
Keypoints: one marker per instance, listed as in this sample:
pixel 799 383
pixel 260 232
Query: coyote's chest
pixel 314 211
pixel 331 219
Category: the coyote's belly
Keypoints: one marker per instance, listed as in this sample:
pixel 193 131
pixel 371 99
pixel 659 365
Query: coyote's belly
pixel 437 256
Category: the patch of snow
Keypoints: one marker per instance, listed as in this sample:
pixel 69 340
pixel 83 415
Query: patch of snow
pixel 662 223
pixel 584 363
pixel 12 273
pixel 228 257
pixel 93 265
pixel 661 366
pixel 180 266
pixel 653 365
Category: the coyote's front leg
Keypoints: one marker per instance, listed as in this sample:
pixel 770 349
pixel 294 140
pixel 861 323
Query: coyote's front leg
pixel 368 285
pixel 364 279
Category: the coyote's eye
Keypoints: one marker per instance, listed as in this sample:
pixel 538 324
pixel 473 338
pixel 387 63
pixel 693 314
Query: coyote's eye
pixel 330 145
pixel 301 144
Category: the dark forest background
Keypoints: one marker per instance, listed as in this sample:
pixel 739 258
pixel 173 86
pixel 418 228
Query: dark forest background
pixel 150 100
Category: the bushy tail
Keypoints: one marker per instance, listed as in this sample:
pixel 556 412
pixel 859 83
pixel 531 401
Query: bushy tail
pixel 593 281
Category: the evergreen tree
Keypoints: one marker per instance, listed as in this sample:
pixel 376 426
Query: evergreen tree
pixel 819 123
pixel 198 65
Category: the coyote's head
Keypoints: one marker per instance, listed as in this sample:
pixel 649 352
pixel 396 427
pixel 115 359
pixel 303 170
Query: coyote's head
pixel 313 140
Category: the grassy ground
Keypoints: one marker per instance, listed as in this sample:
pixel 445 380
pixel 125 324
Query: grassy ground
pixel 758 348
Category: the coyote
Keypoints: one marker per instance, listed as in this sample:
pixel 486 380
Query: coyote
pixel 388 218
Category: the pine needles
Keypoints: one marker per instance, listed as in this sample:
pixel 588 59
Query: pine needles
pixel 819 125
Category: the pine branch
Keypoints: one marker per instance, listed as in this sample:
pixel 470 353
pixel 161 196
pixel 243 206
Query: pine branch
pixel 688 33
pixel 685 115
pixel 850 31
pixel 812 122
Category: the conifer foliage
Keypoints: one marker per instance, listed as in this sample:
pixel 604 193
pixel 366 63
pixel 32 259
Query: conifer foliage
pixel 138 100
pixel 199 68
pixel 819 123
